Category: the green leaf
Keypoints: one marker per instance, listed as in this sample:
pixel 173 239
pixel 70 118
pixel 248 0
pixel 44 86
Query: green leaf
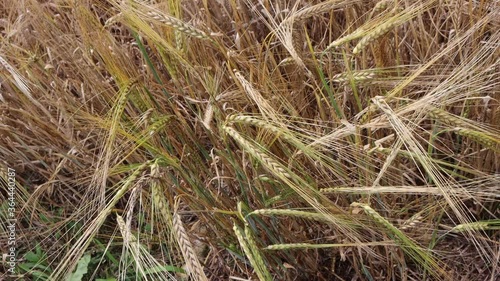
pixel 81 269
pixel 32 257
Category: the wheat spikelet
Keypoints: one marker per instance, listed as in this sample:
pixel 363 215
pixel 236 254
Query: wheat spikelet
pixel 407 244
pixel 158 199
pixel 447 117
pixel 178 25
pixel 411 222
pixel 380 6
pixel 178 40
pixel 479 225
pixel 292 246
pixel 192 263
pixel 128 237
pixel 273 165
pixel 21 82
pixel 259 261
pixel 354 35
pixel 158 124
pixel 287 61
pixel 480 137
pixel 79 247
pixel 317 9
pixel 382 189
pixel 209 114
pixel 376 33
pixel 123 95
pixel 291 213
pixel 356 76
pixel 264 107
pixel 262 273
pixel 245 119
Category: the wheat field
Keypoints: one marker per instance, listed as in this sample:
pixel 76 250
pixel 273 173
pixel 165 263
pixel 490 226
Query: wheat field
pixel 250 140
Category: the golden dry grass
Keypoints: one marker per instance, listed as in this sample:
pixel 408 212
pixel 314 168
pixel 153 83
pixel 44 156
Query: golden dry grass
pixel 306 140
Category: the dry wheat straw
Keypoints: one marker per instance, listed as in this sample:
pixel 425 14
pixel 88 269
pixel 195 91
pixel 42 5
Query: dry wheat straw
pixel 192 263
pixel 291 213
pixel 178 25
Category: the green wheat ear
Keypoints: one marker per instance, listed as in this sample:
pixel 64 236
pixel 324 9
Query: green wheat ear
pixel 252 252
pixel 421 256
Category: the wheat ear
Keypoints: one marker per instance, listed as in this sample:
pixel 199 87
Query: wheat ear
pixel 273 165
pixel 192 263
pixel 292 246
pixel 444 116
pixel 407 245
pixel 373 35
pixel 356 76
pixel 252 252
pixel 380 6
pixel 177 24
pixel 479 225
pixel 291 213
pixel 480 137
